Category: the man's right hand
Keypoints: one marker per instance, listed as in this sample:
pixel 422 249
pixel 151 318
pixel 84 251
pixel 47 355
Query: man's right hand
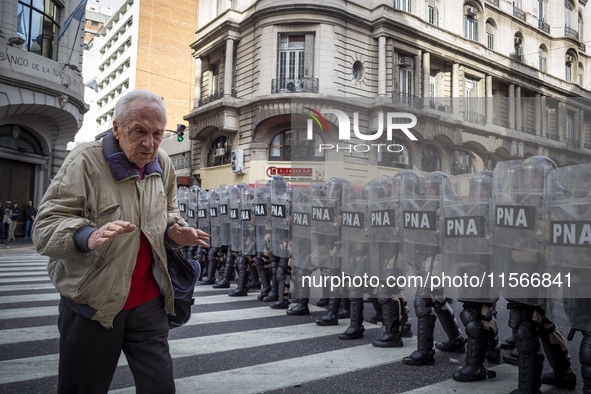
pixel 108 232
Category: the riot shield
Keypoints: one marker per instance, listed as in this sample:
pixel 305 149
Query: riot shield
pixel 224 213
pixel 214 218
pixel 301 235
pixel 234 215
pixel 354 231
pixel 520 228
pixel 467 240
pixel 280 217
pixel 422 224
pixel 203 212
pixel 326 221
pixel 182 194
pixel 262 216
pixel 384 230
pixel 192 206
pixel 248 234
pixel 569 265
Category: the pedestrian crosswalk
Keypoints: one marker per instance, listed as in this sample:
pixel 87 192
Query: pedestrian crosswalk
pixel 231 344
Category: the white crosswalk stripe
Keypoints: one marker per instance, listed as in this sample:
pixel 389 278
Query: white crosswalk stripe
pixel 31 280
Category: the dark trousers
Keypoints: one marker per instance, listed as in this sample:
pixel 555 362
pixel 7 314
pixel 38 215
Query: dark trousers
pixel 89 352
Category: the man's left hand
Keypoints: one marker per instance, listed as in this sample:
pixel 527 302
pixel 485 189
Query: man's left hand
pixel 187 236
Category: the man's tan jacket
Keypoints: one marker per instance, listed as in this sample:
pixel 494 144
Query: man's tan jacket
pixel 96 185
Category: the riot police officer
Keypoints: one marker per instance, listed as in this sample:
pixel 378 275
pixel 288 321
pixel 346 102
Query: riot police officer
pixel 520 229
pixel 262 219
pixel 422 231
pixel 280 240
pixel 244 236
pixel 467 250
pixel 216 252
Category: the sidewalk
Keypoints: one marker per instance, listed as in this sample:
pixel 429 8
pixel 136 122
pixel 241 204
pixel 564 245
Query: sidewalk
pixel 19 246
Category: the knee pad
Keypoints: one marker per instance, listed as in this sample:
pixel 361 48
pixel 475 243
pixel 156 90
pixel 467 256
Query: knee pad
pixel 526 338
pixel 423 306
pixel 468 316
pixel 519 314
pixel 474 329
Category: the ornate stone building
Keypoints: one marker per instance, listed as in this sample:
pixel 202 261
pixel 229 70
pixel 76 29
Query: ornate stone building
pixel 487 80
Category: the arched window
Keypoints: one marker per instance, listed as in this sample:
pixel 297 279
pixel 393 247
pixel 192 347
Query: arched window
pixel 543 58
pixel 518 48
pixel 462 163
pixel 293 145
pixel 220 152
pixel 430 161
pixel 18 138
pixel 391 155
pixel 569 62
pixel 37 25
pixel 490 35
pixel 490 163
pixel 471 22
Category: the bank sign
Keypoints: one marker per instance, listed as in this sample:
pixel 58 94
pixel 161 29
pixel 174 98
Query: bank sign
pixel 390 119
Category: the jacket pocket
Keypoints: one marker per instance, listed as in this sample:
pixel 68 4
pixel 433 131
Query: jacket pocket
pixel 108 214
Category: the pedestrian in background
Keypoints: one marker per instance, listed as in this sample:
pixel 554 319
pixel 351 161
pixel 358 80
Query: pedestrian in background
pixel 3 233
pixel 13 222
pixel 104 222
pixel 6 220
pixel 30 213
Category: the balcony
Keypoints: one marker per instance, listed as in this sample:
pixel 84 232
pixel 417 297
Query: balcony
pixel 501 122
pixel 518 12
pixel 573 144
pixel 439 107
pixel 571 33
pixel 213 97
pixel 517 58
pixel 475 117
pixel 582 47
pixel 493 2
pixel 529 130
pixel 554 137
pixel 406 99
pixel 587 146
pixel 544 26
pixel 301 85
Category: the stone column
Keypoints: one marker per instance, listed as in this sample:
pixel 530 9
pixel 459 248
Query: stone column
pixel 426 79
pixel 518 113
pixel 512 106
pixel 229 67
pixel 489 100
pixel 455 88
pixel 198 81
pixel 382 66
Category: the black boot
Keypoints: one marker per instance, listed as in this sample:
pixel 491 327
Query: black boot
pixel 330 318
pixel 264 275
pixel 242 289
pixel 228 269
pixel 405 326
pixel 530 372
pixel 424 355
pixel 378 317
pixel 344 309
pixel 477 342
pixel 254 283
pixel 356 329
pixel 392 335
pixel 301 309
pixel 512 358
pixel 446 317
pixel 556 352
pixel 283 277
pixel 493 351
pixel 211 267
pixel 273 294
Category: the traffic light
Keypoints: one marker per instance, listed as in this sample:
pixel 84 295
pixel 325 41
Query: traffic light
pixel 180 131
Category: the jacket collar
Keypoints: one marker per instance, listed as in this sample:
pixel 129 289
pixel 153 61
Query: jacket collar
pixel 120 166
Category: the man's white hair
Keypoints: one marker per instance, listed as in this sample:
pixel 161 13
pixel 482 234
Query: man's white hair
pixel 122 111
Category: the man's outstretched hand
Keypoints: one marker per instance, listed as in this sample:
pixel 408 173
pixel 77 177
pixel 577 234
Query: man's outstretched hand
pixel 186 236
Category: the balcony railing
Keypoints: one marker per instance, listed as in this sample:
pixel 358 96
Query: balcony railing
pixel 439 107
pixel 475 117
pixel 570 32
pixel 587 146
pixel 407 99
pixel 493 2
pixel 518 12
pixel 529 130
pixel 573 144
pixel 213 97
pixel 544 26
pixel 301 85
pixel 554 137
pixel 582 47
pixel 501 122
pixel 516 57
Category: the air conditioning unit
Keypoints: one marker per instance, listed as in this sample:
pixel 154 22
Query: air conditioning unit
pixel 472 11
pixel 220 152
pixel 517 41
pixel 403 159
pixel 405 61
pixel 570 59
pixel 238 161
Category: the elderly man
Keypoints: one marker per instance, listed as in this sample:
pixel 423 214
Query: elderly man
pixel 103 222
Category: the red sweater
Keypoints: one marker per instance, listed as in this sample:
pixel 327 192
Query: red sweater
pixel 143 285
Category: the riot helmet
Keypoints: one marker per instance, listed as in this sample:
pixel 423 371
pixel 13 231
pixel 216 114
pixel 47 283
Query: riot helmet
pixel 436 184
pixel 196 189
pixel 407 183
pixel 481 185
pixel 278 184
pixel 319 190
pixel 534 172
pixel 335 188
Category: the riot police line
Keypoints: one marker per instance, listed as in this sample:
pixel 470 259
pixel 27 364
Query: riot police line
pixel 525 219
